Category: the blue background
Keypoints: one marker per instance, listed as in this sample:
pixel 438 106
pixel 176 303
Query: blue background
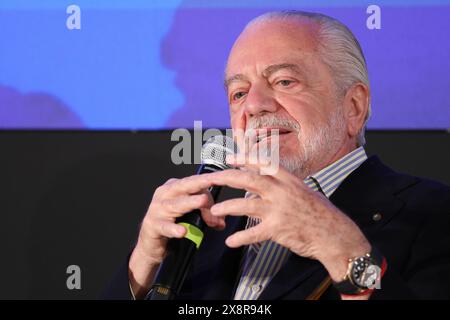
pixel 159 64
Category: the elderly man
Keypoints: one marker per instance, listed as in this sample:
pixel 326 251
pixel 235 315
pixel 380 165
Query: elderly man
pixel 329 215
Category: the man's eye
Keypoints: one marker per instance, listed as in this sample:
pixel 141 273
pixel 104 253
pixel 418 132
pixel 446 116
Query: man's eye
pixel 285 83
pixel 238 95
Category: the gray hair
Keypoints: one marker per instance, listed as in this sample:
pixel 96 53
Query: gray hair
pixel 339 50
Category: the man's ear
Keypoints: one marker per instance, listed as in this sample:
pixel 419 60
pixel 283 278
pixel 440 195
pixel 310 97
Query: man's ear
pixel 356 107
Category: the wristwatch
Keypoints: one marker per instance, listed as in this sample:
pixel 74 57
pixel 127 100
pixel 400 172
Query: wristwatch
pixel 363 274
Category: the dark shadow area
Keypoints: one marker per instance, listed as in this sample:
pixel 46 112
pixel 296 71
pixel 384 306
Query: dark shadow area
pixel 79 197
pixel 35 110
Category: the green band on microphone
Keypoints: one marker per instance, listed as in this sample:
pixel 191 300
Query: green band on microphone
pixel 193 233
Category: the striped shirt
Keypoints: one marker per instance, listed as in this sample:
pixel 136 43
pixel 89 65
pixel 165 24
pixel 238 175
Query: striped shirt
pixel 263 260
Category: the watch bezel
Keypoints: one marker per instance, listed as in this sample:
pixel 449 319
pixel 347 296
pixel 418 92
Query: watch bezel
pixel 358 272
pixel 355 285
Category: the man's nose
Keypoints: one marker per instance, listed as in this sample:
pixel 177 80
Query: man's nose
pixel 260 100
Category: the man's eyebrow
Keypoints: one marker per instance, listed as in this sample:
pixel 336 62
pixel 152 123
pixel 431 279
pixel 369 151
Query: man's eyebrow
pixel 235 77
pixel 276 67
pixel 266 73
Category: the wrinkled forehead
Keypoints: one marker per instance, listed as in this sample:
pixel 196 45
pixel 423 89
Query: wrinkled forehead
pixel 269 40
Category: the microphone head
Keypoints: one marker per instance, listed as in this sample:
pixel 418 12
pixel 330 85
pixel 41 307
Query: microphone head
pixel 216 149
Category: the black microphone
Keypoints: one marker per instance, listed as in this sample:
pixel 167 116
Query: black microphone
pixel 173 269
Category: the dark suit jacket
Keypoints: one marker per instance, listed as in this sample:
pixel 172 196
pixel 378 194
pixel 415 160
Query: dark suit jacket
pixel 413 234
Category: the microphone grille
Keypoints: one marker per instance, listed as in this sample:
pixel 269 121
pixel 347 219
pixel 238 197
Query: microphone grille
pixel 216 149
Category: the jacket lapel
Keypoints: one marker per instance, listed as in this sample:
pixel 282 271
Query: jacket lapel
pixel 221 265
pixel 368 195
pixel 291 277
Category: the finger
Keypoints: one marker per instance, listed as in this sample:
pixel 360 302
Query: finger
pixel 263 166
pixel 163 189
pixel 184 204
pixel 190 185
pixel 238 179
pixel 239 207
pixel 169 229
pixel 171 181
pixel 203 201
pixel 252 182
pixel 245 237
pixel 212 221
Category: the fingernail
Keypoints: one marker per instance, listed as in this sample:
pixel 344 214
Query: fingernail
pixel 215 209
pixel 180 230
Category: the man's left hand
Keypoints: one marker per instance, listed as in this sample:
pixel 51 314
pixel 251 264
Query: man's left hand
pixel 293 215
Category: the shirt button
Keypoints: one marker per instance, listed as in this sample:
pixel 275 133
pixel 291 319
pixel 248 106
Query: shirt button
pixel 256 288
pixel 377 216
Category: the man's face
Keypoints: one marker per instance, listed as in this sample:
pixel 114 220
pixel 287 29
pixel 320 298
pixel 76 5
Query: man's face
pixel 275 79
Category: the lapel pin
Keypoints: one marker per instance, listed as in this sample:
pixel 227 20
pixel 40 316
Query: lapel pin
pixel 377 217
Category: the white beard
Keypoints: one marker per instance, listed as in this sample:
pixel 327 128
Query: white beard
pixel 325 140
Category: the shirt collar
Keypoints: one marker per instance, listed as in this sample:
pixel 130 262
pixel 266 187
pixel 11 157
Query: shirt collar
pixel 329 178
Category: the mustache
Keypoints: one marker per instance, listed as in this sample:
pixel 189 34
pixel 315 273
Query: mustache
pixel 272 121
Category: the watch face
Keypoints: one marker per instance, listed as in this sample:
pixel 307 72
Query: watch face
pixel 365 274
